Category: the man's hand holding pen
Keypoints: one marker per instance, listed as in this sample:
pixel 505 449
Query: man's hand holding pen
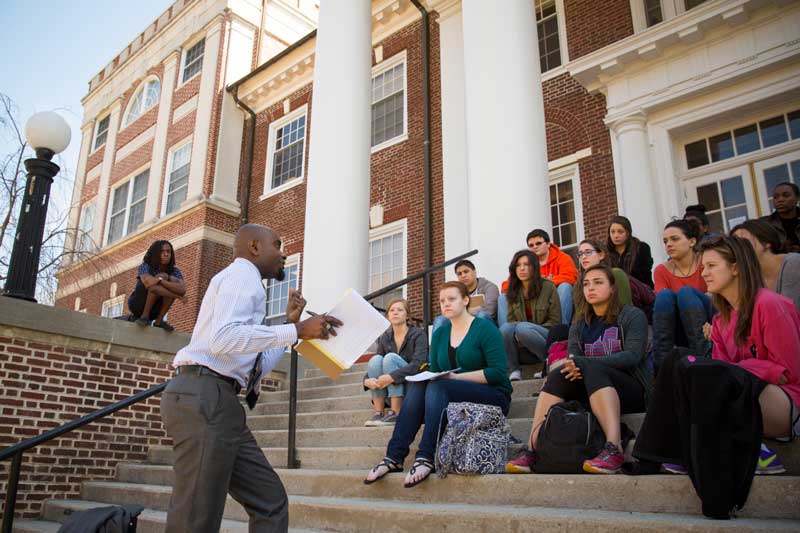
pixel 316 327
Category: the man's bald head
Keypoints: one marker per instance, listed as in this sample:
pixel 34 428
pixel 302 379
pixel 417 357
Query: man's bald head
pixel 262 247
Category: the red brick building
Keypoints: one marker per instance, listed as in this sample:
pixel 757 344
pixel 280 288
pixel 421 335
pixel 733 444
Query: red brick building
pixel 639 107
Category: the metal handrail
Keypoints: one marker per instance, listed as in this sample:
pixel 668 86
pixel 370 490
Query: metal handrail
pixel 15 452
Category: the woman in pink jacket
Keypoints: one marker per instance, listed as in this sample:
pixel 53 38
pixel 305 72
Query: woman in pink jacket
pixel 758 330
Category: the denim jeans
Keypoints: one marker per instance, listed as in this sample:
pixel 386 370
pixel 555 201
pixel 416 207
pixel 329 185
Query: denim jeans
pixel 516 335
pixel 386 364
pixel 564 291
pixel 441 320
pixel 426 402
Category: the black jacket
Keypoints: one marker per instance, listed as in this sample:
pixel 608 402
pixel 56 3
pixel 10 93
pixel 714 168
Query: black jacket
pixel 792 241
pixel 414 350
pixel 642 268
pixel 705 415
pixel 112 519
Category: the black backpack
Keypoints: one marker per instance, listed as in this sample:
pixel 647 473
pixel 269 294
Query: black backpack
pixel 570 434
pixel 111 519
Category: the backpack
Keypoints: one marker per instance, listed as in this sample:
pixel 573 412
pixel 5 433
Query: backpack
pixel 643 297
pixel 475 441
pixel 111 519
pixel 570 434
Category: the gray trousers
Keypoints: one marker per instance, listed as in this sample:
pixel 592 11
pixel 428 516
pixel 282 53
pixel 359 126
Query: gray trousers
pixel 216 454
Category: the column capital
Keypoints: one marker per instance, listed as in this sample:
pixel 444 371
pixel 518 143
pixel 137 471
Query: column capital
pixel 636 121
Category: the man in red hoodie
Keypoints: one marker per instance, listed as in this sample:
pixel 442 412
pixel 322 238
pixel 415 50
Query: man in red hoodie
pixel 556 266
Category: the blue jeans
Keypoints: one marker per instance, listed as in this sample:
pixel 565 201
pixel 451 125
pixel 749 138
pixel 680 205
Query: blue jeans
pixel 516 335
pixel 386 364
pixel 426 402
pixel 441 320
pixel 564 291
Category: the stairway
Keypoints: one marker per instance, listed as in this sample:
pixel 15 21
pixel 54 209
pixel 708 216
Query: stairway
pixel 336 451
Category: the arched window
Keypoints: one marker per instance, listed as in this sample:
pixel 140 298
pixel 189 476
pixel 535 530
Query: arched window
pixel 145 97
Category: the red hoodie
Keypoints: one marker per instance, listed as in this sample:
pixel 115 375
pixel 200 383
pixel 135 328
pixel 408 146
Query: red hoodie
pixel 559 268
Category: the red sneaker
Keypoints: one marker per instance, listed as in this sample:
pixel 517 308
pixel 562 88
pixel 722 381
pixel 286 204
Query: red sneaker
pixel 522 463
pixel 608 461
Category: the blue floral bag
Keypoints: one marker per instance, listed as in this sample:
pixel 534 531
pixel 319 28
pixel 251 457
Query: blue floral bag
pixel 475 441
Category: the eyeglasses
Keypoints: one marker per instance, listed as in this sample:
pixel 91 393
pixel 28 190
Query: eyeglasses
pixel 536 244
pixel 586 253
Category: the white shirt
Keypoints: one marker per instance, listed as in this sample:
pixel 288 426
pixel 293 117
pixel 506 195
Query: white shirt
pixel 229 333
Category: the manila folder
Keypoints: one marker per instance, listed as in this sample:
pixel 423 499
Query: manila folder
pixel 362 325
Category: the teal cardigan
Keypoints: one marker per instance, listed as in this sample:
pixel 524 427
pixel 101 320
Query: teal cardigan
pixel 481 349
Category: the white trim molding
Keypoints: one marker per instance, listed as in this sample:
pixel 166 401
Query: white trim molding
pixel 268 190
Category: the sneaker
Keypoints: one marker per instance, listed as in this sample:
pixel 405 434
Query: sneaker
pixel 608 461
pixel 375 420
pixel 516 375
pixel 672 468
pixel 166 326
pixel 522 463
pixel 768 462
pixel 142 321
pixel 389 419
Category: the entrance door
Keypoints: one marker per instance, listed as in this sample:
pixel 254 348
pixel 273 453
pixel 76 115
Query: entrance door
pixel 775 170
pixel 727 195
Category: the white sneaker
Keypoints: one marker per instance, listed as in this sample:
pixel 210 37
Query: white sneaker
pixel 516 375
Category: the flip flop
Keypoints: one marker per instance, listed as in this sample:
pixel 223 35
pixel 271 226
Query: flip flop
pixel 391 465
pixel 420 461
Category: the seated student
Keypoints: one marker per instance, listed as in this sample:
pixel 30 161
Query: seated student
pixel 556 266
pixel 697 214
pixel 627 252
pixel 533 308
pixel 606 370
pixel 465 270
pixel 472 345
pixel 786 217
pixel 759 331
pixel 158 284
pixel 781 271
pixel 681 308
pixel 387 370
pixel 591 253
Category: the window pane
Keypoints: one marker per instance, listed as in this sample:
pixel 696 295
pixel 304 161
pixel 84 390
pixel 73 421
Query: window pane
pixel 136 216
pixel 732 191
pixel 795 171
pixel 775 175
pixel 708 196
pixel 553 195
pixel 794 124
pixel 696 154
pixel 194 60
pixel 735 216
pixel 115 227
pixel 715 222
pixel 386 122
pixel 747 139
pixel 565 191
pixel 140 186
pixel 569 235
pixel 120 198
pixel 692 3
pixel 721 146
pixel 653 12
pixel 773 131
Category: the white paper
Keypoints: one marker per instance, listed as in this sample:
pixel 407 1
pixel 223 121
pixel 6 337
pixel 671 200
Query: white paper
pixel 425 376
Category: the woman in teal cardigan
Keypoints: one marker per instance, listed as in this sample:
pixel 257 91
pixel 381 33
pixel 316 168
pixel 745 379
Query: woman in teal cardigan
pixel 473 348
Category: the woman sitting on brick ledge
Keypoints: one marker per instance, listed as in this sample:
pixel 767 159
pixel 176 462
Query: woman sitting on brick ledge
pixel 467 343
pixel 158 284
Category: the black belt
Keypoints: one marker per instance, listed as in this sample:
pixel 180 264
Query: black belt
pixel 200 370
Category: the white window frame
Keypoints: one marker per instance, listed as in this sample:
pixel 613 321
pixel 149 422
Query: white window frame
pixel 127 120
pixel 562 41
pixel 690 186
pixel 168 175
pixel 273 133
pixel 128 179
pixel 292 260
pixel 669 10
pixel 570 173
pixel 112 302
pixel 97 131
pixel 377 70
pixel 81 244
pixel 391 228
pixel 184 53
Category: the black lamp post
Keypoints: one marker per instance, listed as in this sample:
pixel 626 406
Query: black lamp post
pixel 48 133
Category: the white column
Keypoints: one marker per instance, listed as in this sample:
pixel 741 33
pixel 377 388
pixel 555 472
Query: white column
pixel 152 207
pixel 337 198
pixel 205 104
pixel 105 175
pixel 639 201
pixel 506 143
pixel 77 189
pixel 454 140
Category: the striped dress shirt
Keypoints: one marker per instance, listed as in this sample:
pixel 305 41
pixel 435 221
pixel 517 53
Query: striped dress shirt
pixel 229 334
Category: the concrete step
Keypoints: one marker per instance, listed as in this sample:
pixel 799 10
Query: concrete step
pixel 324 381
pixel 35 526
pixel 521 389
pixel 358 368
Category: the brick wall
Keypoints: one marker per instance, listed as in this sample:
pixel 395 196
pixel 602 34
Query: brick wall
pixel 57 365
pixel 591 24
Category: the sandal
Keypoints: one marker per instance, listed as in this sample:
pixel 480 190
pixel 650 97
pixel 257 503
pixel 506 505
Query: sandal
pixel 420 461
pixel 388 463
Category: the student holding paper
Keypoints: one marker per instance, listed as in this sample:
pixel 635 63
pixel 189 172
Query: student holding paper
pixel 474 347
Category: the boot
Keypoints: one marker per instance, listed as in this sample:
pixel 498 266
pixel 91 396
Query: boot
pixel 663 335
pixel 692 320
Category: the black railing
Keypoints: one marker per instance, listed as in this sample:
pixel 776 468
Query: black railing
pixel 292 461
pixel 15 452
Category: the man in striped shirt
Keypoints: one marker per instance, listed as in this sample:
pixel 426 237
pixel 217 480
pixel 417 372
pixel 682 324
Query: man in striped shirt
pixel 230 350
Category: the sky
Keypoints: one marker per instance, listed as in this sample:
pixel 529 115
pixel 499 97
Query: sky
pixel 52 48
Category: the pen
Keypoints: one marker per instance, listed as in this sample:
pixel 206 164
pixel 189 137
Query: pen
pixel 312 313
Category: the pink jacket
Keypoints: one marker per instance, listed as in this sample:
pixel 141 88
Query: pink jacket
pixel 773 346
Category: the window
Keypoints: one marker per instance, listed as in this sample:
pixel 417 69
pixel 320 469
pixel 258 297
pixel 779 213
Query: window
pixel 85 226
pixel 690 4
pixel 387 260
pixel 389 101
pixel 652 12
pixel 547 28
pixel 114 307
pixel 193 60
pixel 127 207
pixel 178 178
pixel 564 207
pixel 287 148
pixel 102 132
pixel 278 291
pixel 145 98
pixel 726 203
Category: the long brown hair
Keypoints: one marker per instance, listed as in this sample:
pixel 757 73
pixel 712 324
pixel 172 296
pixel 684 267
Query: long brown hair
pixel 515 284
pixel 769 236
pixel 627 258
pixel 614 306
pixel 739 252
pixel 578 299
